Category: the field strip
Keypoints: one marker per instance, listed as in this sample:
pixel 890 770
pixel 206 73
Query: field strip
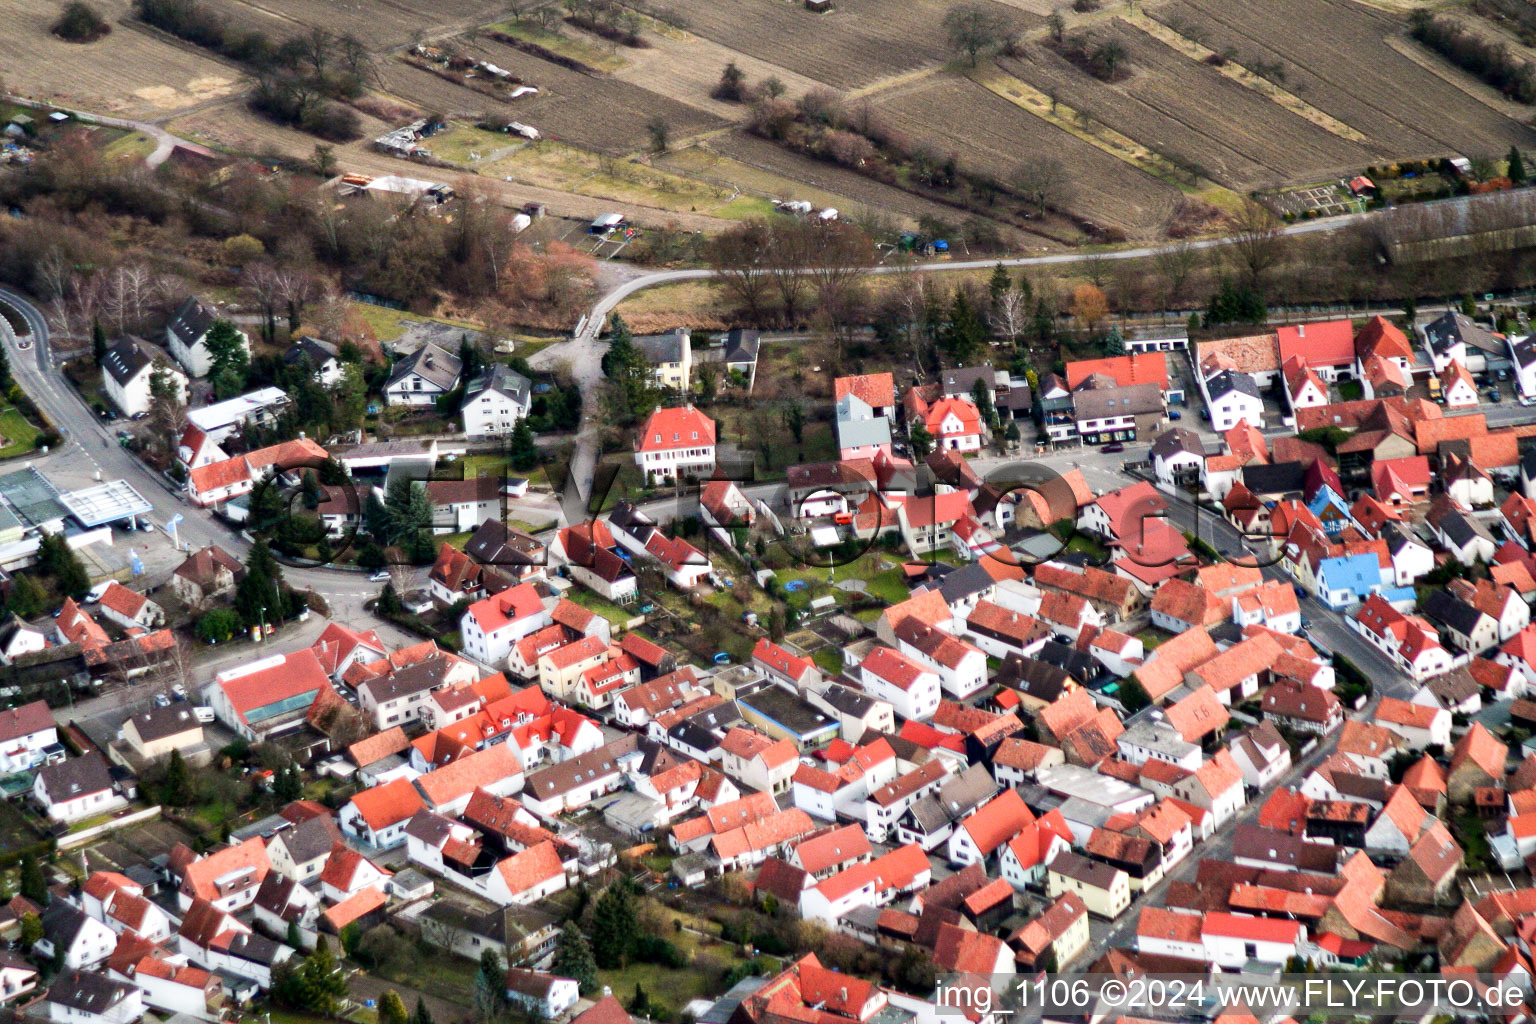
pixel 906 78
pixel 1242 76
pixel 1487 95
pixel 1122 147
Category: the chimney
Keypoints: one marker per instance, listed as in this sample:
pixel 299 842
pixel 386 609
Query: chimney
pixel 1301 330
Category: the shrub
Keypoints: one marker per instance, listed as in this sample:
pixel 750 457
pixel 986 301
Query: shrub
pixel 80 23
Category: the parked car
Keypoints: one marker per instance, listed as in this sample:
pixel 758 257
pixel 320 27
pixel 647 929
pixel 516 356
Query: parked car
pixel 1174 414
pixel 1110 449
pixel 382 576
pixel 1494 396
pixel 162 701
pixel 1528 400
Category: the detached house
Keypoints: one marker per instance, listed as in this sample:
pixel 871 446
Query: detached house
pixel 186 335
pixel 423 377
pixel 495 401
pixel 676 443
pixel 126 370
pixel 954 424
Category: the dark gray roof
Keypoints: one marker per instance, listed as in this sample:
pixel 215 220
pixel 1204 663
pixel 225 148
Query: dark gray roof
pixel 1397 536
pixel 310 840
pixel 76 777
pixel 315 350
pixel 1039 679
pixel 1524 351
pixel 1089 872
pixel 1228 381
pixel 496 543
pixel 1178 439
pixel 1461 529
pixel 158 723
pixel 1094 403
pixel 127 359
pixel 741 346
pixel 1078 664
pixel 567 775
pixel 962 379
pixel 431 363
pixel 967 581
pixel 1276 478
pixel 256 949
pixel 1451 327
pixel 663 348
pixel 420 677
pixel 848 701
pixel 62 922
pixel 787 709
pixel 88 991
pixel 1445 607
pixel 501 378
pixel 955 799
pixel 190 321
pixel 632 521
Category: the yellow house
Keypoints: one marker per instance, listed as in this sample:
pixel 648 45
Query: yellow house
pixel 560 669
pixel 1104 890
pixel 154 734
pixel 671 358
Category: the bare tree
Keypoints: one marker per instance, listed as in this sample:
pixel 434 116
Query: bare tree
pixel 1010 314
pixel 1256 241
pixel 1043 181
pixel 735 257
pixel 1175 262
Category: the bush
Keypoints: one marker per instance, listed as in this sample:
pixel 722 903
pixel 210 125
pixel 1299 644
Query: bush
pixel 79 23
pixel 1490 61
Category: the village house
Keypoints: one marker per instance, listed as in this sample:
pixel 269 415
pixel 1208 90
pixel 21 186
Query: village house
pixel 422 377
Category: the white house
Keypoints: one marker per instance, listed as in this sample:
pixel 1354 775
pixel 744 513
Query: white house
pixel 1233 398
pixel 28 734
pixel 423 377
pixel 186 335
pixel 84 941
pixel 909 686
pixel 544 995
pixel 678 442
pixel 1232 940
pixel 126 369
pixel 495 401
pixel 89 997
pixel 74 789
pixel 492 626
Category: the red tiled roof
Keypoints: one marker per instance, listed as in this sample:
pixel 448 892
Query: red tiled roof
pixel 682 427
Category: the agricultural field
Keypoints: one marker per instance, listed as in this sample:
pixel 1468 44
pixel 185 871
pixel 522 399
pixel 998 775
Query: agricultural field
pixel 128 73
pixel 947 110
pixel 1194 113
pixel 687 66
pixel 600 113
pixel 1344 64
pixel 378 25
pixel 857 44
pixel 864 194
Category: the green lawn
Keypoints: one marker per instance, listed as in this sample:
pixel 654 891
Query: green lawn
pixel 1351 390
pixel 475 466
pixel 829 660
pixel 20 436
pixel 1086 545
pixel 597 603
pixel 1150 638
pixel 388 324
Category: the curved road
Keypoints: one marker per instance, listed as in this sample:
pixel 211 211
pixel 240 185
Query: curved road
pixel 92 440
pixel 583 352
